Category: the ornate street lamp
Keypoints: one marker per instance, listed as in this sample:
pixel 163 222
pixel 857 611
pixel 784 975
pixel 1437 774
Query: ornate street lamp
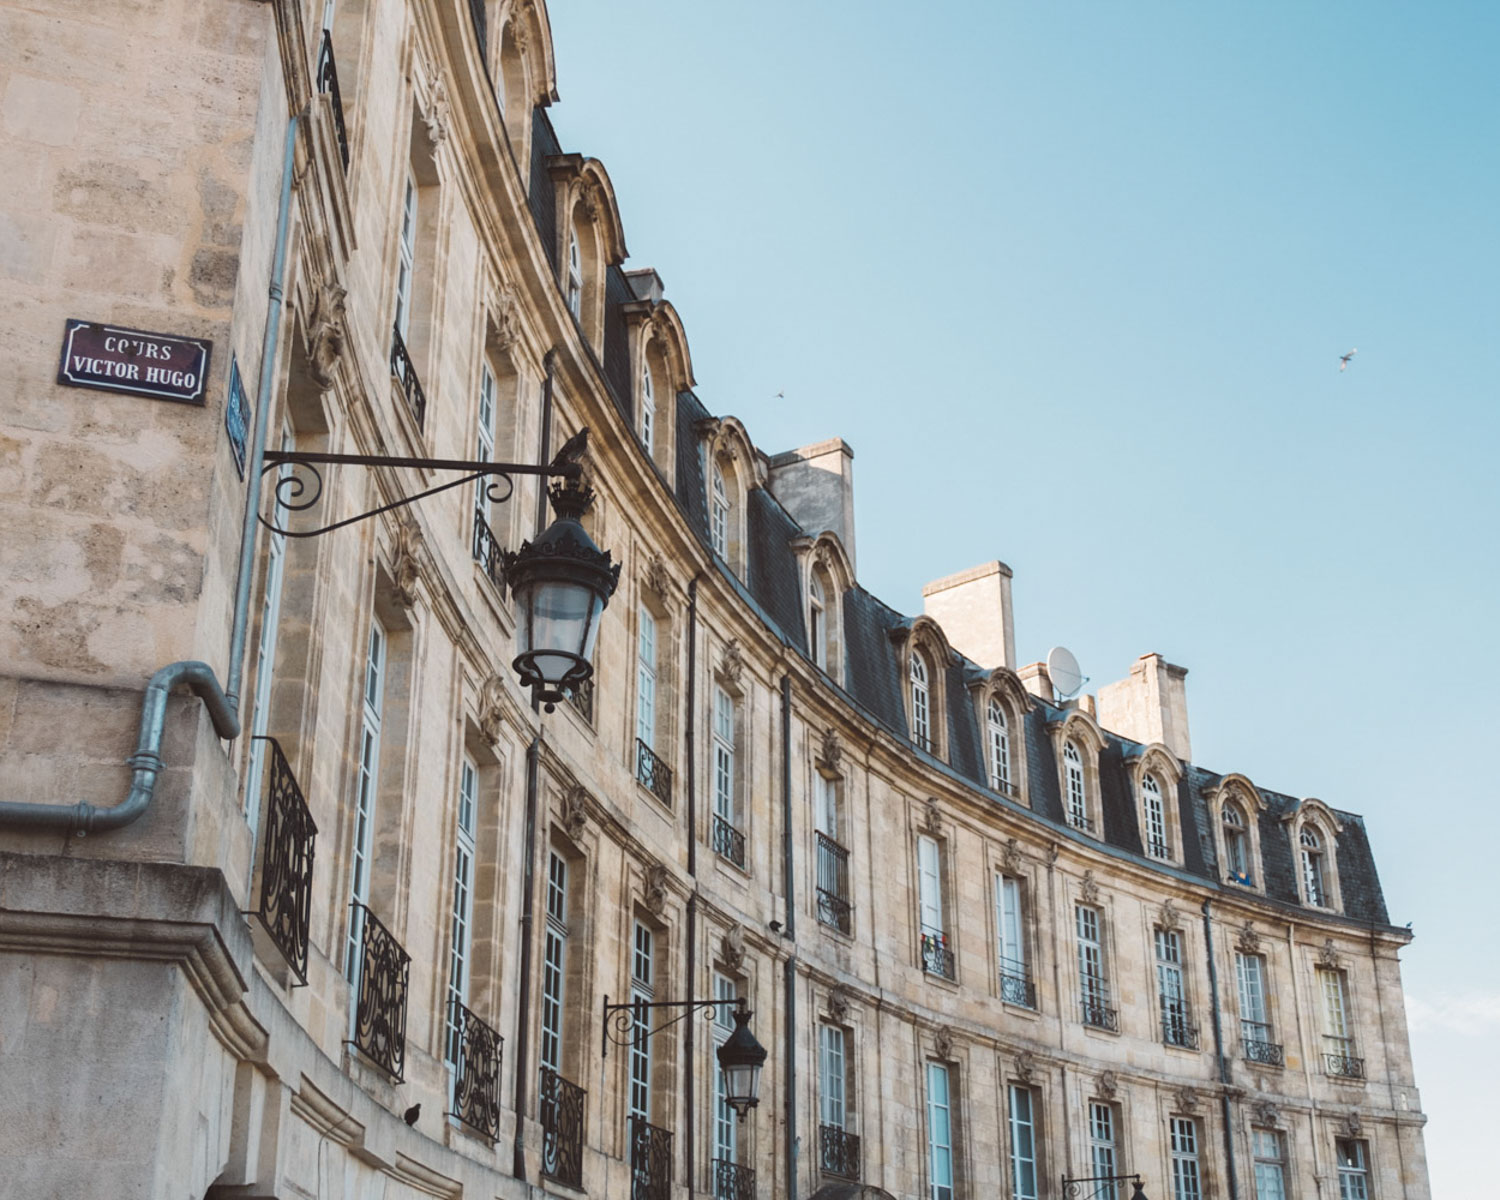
pixel 561 583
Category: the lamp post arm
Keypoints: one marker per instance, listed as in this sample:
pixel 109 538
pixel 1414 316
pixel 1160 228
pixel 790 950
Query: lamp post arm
pixel 620 1019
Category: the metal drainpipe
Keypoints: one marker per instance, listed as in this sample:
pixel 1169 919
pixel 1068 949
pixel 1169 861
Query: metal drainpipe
pixel 250 525
pixel 789 866
pixel 688 1090
pixel 1213 994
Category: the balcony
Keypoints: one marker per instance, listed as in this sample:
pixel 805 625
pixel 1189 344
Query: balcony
pixel 328 85
pixel 1259 1048
pixel 1096 1010
pixel 406 376
pixel 582 699
pixel 1339 1060
pixel 833 884
pixel 653 772
pixel 1177 1030
pixel 650 1161
pixel 732 1181
pixel 937 959
pixel 487 552
pixel 1081 822
pixel 474 1054
pixel 838 1152
pixel 728 842
pixel 286 863
pixel 561 1110
pixel 380 1013
pixel 1015 984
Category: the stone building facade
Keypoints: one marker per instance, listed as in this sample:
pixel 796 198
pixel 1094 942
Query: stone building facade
pixel 332 910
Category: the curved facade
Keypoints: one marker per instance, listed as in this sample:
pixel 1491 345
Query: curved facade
pixel 992 940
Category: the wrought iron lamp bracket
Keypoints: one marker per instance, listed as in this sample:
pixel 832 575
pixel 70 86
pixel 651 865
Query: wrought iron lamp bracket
pixel 1074 1187
pixel 620 1019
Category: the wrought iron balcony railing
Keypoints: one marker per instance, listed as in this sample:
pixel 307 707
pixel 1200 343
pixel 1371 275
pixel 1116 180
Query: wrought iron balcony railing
pixel 380 1013
pixel 833 884
pixel 728 841
pixel 1016 986
pixel 487 552
pixel 328 84
pixel 1097 1012
pixel 838 1152
pixel 406 376
pixel 1177 1030
pixel 650 1161
pixel 653 772
pixel 1339 1059
pixel 732 1181
pixel 1079 821
pixel 582 699
pixel 1259 1048
pixel 474 1054
pixel 937 959
pixel 286 864
pixel 561 1110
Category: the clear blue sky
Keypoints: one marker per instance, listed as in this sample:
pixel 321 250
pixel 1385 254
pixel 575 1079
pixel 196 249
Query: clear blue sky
pixel 1073 279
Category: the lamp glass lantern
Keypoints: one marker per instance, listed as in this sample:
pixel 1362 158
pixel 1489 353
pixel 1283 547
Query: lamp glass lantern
pixel 561 583
pixel 741 1058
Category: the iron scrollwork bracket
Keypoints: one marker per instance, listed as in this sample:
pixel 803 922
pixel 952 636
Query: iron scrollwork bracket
pixel 1106 1184
pixel 621 1020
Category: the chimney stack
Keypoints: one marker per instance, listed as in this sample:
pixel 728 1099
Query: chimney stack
pixel 1149 705
pixel 816 485
pixel 973 607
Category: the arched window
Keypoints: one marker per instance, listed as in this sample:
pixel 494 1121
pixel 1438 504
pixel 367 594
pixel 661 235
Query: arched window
pixel 997 729
pixel 1313 882
pixel 1236 844
pixel 1078 809
pixel 575 277
pixel 648 410
pixel 1156 818
pixel 718 513
pixel 921 702
pixel 817 623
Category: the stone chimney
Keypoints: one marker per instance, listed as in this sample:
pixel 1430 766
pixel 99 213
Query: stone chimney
pixel 816 485
pixel 1034 679
pixel 646 284
pixel 1150 705
pixel 973 607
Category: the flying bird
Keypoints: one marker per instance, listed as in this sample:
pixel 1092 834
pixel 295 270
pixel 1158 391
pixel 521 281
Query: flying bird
pixel 1344 359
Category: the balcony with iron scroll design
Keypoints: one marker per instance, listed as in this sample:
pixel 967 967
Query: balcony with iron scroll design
pixel 1097 1012
pixel 650 1161
pixel 653 773
pixel 1177 1029
pixel 561 1109
pixel 474 1054
pixel 833 884
pixel 1259 1048
pixel 937 958
pixel 487 551
pixel 1339 1059
pixel 328 85
pixel 286 864
pixel 380 1011
pixel 733 1181
pixel 728 842
pixel 838 1152
pixel 1016 986
pixel 406 376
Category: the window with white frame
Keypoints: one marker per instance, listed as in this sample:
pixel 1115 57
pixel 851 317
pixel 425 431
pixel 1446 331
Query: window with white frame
pixel 1155 813
pixel 1269 1159
pixel 997 735
pixel 939 1132
pixel 1171 996
pixel 833 900
pixel 937 958
pixel 575 276
pixel 642 991
pixel 1314 883
pixel 484 448
pixel 645 679
pixel 726 1127
pixel 921 701
pixel 1255 1023
pixel 265 654
pixel 1015 975
pixel 1187 1178
pixel 554 961
pixel 1338 1039
pixel 1354 1169
pixel 1023 1142
pixel 1236 844
pixel 728 838
pixel 1092 985
pixel 1103 1146
pixel 406 257
pixel 817 622
pixel 648 410
pixel 833 1077
pixel 718 512
pixel 1077 798
pixel 461 918
pixel 371 700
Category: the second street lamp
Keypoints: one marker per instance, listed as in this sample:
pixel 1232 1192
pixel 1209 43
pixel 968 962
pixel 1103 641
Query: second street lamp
pixel 741 1057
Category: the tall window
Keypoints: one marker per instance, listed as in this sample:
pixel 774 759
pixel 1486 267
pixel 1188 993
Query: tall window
pixel 1338 1044
pixel 407 250
pixel 1186 1180
pixel 461 919
pixel 1313 883
pixel 575 276
pixel 718 513
pixel 728 839
pixel 1156 818
pixel 648 410
pixel 726 1127
pixel 834 907
pixel 1255 1026
pixel 1103 1149
pixel 1270 1164
pixel 937 959
pixel 832 1077
pixel 645 679
pixel 1236 844
pixel 1015 981
pixel 554 961
pixel 642 985
pixel 921 702
pixel 1093 990
pixel 484 449
pixel 371 699
pixel 265 658
pixel 939 1132
pixel 817 622
pixel 1023 1172
pixel 1078 808
pixel 1175 1028
pixel 997 731
pixel 1354 1171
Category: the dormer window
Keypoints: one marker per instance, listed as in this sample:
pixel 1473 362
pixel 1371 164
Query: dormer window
pixel 921 702
pixel 1314 884
pixel 1077 799
pixel 718 513
pixel 817 623
pixel 575 277
pixel 997 734
pixel 1236 844
pixel 1155 815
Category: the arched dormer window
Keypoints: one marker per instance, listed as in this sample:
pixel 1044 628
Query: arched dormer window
pixel 925 658
pixel 1155 773
pixel 1154 812
pixel 1314 878
pixel 718 512
pixel 648 409
pixel 1236 844
pixel 1234 812
pixel 575 276
pixel 1314 828
pixel 817 623
pixel 1077 743
pixel 1076 794
pixel 997 740
pixel 921 701
pixel 1001 705
pixel 827 577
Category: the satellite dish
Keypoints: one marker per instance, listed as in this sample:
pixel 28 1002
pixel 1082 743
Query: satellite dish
pixel 1062 669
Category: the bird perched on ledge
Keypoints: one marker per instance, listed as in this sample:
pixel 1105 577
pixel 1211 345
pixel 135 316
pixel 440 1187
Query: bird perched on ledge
pixel 411 1114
